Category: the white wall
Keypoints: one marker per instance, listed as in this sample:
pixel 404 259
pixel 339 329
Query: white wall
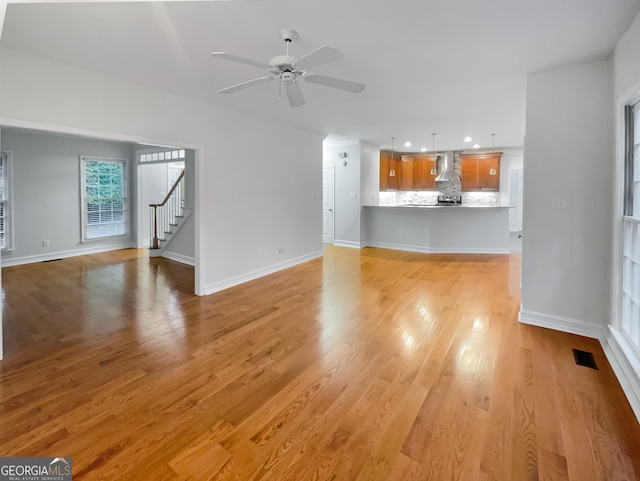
pixel 346 190
pixel 469 230
pixel 152 190
pixel 626 62
pixel 1 326
pixel 258 207
pixel 370 173
pixel 566 255
pixel 626 74
pixel 46 195
pixel 183 243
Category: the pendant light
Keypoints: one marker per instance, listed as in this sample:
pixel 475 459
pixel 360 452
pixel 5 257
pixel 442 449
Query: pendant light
pixel 392 172
pixel 492 170
pixel 434 170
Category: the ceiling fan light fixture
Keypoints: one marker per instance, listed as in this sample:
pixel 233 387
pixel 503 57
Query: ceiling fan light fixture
pixel 392 172
pixel 434 170
pixel 492 170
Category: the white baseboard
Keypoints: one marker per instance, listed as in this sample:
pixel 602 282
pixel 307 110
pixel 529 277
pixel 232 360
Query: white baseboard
pixel 341 243
pixel 626 365
pixel 249 276
pixel 439 250
pixel 564 324
pixel 49 256
pixel 180 258
pixel 469 250
pixel 399 247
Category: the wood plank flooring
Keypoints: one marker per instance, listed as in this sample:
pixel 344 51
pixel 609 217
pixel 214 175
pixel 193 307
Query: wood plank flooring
pixel 363 365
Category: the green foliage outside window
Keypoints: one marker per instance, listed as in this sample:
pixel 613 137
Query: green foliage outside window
pixel 105 198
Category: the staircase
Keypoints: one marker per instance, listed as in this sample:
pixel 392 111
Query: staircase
pixel 167 217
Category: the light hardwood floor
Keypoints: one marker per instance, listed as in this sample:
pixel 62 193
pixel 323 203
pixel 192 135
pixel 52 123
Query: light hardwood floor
pixel 364 365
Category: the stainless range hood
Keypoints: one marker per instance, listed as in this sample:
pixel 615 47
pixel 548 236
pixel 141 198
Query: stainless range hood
pixel 448 173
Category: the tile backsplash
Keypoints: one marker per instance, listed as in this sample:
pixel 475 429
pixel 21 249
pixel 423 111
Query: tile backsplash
pixel 400 197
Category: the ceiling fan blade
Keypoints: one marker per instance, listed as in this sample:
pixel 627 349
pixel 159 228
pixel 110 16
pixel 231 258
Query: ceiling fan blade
pixel 319 56
pixel 335 83
pixel 294 94
pixel 244 85
pixel 235 58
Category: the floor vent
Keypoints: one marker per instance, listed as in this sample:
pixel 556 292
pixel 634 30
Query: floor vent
pixel 584 358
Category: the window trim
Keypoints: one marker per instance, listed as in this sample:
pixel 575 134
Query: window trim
pixel 126 196
pixel 629 121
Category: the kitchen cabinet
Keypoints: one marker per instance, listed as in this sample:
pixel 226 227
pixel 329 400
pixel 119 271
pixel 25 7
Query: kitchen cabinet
pixel 476 168
pixel 406 172
pixel 412 172
pixel 422 177
pixel 387 181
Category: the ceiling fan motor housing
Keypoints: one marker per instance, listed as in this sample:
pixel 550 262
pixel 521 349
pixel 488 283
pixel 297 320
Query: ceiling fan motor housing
pixel 282 61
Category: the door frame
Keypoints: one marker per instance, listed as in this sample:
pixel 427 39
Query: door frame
pixel 328 239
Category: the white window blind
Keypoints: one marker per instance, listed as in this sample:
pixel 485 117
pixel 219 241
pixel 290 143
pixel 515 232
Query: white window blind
pixel 104 203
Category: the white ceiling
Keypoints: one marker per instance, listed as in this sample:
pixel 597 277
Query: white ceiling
pixel 457 67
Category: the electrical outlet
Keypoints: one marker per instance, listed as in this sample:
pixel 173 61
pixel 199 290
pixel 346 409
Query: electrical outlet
pixel 403 235
pixel 45 243
pixel 558 203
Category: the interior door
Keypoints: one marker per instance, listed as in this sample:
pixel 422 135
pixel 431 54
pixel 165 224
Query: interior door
pixel 327 205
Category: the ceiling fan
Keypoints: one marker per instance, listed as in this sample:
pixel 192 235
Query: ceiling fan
pixel 289 69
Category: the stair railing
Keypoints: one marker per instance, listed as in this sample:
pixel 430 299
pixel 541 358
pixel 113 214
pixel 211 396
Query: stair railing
pixel 164 214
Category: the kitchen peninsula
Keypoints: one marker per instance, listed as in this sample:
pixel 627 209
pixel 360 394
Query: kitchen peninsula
pixel 438 229
pixel 410 219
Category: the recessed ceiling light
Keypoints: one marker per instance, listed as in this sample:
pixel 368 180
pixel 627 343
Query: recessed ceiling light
pixel 407 144
pixel 468 139
pixel 423 149
pixel 476 146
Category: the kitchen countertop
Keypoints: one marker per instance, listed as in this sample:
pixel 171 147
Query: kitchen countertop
pixel 459 207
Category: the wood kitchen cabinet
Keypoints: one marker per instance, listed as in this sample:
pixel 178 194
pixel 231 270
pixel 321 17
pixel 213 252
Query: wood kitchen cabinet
pixel 387 181
pixel 475 175
pixel 412 171
pixel 422 177
pixel 406 174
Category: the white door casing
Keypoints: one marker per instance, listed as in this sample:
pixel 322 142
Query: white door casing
pixel 327 205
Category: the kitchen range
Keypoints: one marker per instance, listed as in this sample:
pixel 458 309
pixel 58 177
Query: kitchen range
pixel 450 200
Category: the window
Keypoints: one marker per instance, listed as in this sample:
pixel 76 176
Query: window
pixel 161 155
pixel 104 198
pixel 5 201
pixel 630 319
